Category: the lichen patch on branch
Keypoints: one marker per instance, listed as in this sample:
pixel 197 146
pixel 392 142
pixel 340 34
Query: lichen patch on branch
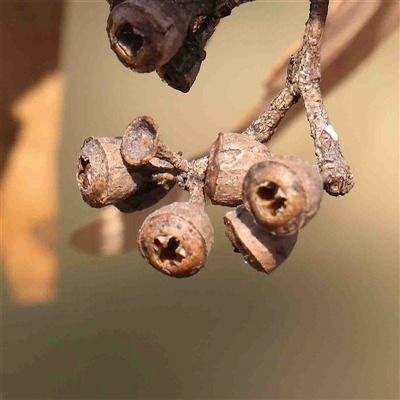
pixel 331 131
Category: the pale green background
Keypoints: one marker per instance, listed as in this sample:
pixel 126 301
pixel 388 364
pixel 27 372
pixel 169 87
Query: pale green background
pixel 323 326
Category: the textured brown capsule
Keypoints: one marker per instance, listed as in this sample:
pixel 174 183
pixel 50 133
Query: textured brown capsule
pixel 102 176
pixel 140 141
pixel 231 156
pixel 283 193
pixel 260 248
pixel 146 34
pixel 176 239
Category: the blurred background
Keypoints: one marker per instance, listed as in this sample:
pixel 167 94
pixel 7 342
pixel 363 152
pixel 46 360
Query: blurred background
pixel 75 325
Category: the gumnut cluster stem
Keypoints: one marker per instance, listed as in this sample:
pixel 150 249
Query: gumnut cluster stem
pixel 303 82
pixel 272 196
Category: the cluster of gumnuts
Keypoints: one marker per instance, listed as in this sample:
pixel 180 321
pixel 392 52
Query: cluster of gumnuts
pixel 274 195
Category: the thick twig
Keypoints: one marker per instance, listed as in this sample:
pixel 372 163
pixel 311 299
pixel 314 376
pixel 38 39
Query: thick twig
pixel 303 80
pixel 335 170
pixel 263 127
pixel 355 29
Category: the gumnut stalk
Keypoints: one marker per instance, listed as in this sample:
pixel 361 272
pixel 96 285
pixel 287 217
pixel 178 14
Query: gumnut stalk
pixel 261 249
pixel 283 193
pixel 102 176
pixel 140 141
pixel 177 239
pixel 230 158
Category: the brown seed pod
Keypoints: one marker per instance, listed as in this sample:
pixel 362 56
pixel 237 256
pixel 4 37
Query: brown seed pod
pixel 231 156
pixel 102 176
pixel 146 34
pixel 260 248
pixel 176 239
pixel 140 141
pixel 283 193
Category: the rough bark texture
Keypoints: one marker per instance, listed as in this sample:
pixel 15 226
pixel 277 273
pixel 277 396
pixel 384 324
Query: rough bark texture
pixel 263 127
pixel 303 80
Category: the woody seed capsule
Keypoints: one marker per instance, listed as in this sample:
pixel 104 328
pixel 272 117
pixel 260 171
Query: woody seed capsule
pixel 231 156
pixel 260 248
pixel 283 193
pixel 102 176
pixel 176 239
pixel 140 141
pixel 146 34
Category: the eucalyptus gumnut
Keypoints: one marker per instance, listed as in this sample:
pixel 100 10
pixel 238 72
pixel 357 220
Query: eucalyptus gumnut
pixel 283 193
pixel 230 158
pixel 261 249
pixel 102 176
pixel 146 34
pixel 177 239
pixel 140 141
